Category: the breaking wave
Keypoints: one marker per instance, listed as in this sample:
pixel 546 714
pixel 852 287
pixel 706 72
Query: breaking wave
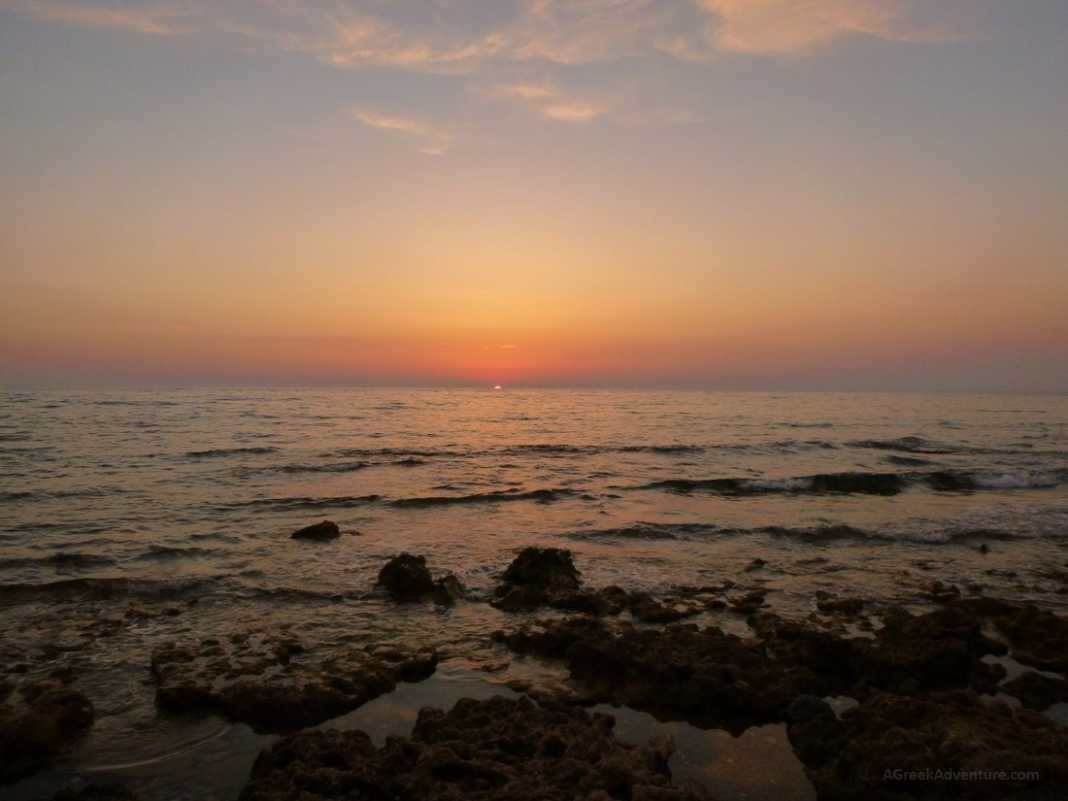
pixel 864 483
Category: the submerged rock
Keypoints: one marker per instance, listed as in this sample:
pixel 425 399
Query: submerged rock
pixel 37 721
pixel 944 745
pixel 496 750
pixel 275 684
pixel 326 530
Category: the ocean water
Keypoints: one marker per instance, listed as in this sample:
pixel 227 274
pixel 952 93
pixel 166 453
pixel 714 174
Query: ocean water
pixel 187 497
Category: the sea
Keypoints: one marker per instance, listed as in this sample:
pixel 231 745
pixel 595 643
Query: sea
pixel 118 499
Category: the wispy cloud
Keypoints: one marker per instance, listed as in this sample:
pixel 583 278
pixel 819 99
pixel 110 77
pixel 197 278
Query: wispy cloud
pixel 430 139
pixel 462 36
pixel 788 26
pixel 158 20
pixel 551 102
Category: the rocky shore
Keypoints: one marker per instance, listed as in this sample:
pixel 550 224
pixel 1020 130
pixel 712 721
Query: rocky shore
pixel 880 702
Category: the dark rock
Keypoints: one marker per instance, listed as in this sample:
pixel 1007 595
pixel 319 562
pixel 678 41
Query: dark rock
pixel 870 753
pixel 842 606
pixel 448 590
pixel 276 684
pixel 937 650
pixel 1039 637
pixel 756 564
pixel 494 750
pixel 703 676
pixel 543 568
pixel 710 678
pixel 326 530
pixel 1036 691
pixel 649 610
pixel 942 593
pixel 406 577
pixel 38 720
pixel 748 603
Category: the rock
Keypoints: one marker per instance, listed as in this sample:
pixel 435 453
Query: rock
pixel 448 590
pixel 406 577
pixel 275 684
pixel 843 606
pixel 37 721
pixel 1036 691
pixel 937 650
pixel 872 750
pixel 494 750
pixel 544 568
pixel 704 676
pixel 326 530
pixel 756 564
pixel 714 679
pixel 943 593
pixel 748 603
pixel 649 610
pixel 1039 637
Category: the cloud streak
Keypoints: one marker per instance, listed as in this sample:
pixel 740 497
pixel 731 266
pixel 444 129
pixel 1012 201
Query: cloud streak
pixel 150 20
pixel 790 26
pixel 551 102
pixel 430 139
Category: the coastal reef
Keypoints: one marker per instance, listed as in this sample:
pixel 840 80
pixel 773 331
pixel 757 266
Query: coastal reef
pixel 274 683
pixel 495 750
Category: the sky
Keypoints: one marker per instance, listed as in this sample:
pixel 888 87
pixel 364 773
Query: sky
pixel 816 194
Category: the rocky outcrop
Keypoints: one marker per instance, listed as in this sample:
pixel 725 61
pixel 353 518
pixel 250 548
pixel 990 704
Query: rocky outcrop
pixel 941 745
pixel 548 569
pixel 494 750
pixel 39 719
pixel 326 530
pixel 548 577
pixel 712 678
pixel 407 578
pixel 1039 637
pixel 1036 691
pixel 274 683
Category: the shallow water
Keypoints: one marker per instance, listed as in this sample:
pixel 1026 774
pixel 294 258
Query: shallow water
pixel 184 500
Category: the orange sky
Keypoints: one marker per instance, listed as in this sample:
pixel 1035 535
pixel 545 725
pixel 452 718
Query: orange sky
pixel 557 193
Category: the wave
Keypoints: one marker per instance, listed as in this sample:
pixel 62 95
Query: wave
pixel 165 553
pixel 826 483
pixel 342 502
pixel 218 453
pixel 905 444
pixel 864 483
pixel 18 496
pixel 102 589
pixel 826 533
pixel 59 560
pixel 336 467
pixel 406 452
pixel 538 495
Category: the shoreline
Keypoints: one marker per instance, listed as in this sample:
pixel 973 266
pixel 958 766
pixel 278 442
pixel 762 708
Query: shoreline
pixel 584 647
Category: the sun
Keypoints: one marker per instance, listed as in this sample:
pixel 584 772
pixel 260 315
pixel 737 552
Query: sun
pixel 497 386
